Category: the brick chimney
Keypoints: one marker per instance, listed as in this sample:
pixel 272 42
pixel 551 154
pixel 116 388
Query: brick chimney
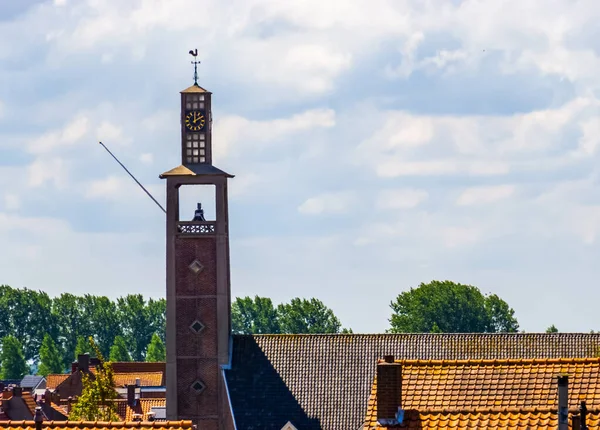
pixel 563 402
pixel 83 362
pixel 389 388
pixel 17 391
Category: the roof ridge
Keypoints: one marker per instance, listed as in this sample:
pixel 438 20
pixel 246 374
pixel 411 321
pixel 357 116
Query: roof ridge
pixel 497 409
pixel 529 334
pixel 486 362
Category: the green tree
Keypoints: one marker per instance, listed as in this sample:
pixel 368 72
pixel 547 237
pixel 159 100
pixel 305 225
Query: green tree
pixel 139 321
pixel 29 318
pixel 553 329
pixel 50 358
pixel 102 315
pixel 97 400
pixel 254 316
pixel 12 357
pixel 502 317
pixel 448 307
pixel 68 311
pixel 82 347
pixel 119 352
pixel 307 316
pixel 156 350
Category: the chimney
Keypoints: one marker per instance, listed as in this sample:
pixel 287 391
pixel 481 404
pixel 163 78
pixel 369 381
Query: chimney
pixel 131 395
pixel 69 404
pixel 583 412
pixel 17 391
pixel 38 418
pixel 563 402
pixel 389 390
pixel 83 362
pixel 48 397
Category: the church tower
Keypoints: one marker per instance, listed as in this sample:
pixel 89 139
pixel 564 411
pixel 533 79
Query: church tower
pixel 198 279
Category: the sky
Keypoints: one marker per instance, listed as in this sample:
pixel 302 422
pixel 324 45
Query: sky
pixel 376 145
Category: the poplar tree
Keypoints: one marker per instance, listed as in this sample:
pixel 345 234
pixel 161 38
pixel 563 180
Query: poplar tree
pixel 119 352
pixel 50 358
pixel 156 350
pixel 12 358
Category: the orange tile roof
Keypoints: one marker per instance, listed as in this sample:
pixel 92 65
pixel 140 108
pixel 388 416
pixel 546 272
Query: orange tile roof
pixel 28 399
pixel 53 380
pixel 505 419
pixel 100 425
pixel 474 388
pixel 126 412
pixel 147 379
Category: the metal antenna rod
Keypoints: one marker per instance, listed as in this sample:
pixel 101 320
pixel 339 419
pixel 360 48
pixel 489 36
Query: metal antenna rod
pixel 138 182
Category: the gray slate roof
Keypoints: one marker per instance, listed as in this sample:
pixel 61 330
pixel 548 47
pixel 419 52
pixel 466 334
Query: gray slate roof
pixel 32 381
pixel 324 381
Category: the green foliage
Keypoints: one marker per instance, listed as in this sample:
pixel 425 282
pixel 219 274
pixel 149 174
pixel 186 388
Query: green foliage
pixel 12 358
pixel 553 329
pixel 259 316
pixel 119 352
pixel 97 400
pixel 448 307
pixel 139 321
pixel 27 315
pixel 50 359
pixel 156 350
pixel 69 320
pixel 82 347
pixel 307 316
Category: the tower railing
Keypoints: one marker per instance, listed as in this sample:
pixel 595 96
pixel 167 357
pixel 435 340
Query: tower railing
pixel 194 228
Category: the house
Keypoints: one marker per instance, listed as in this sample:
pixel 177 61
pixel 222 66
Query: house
pixel 490 394
pixel 139 385
pixel 326 381
pixel 33 383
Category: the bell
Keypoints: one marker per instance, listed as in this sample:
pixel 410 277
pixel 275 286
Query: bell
pixel 199 214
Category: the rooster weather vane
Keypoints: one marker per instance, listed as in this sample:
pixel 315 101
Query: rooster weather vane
pixel 194 53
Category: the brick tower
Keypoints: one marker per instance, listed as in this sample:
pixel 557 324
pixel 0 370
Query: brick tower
pixel 198 280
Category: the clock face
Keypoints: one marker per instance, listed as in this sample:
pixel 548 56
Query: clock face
pixel 194 120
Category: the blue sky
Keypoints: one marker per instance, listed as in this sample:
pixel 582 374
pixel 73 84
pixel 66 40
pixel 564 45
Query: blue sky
pixel 376 144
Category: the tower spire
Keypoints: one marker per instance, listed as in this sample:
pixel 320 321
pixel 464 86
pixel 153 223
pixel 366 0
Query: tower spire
pixel 194 53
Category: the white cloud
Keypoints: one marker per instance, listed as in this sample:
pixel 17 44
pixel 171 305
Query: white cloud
pixel 147 158
pixel 404 198
pixel 12 201
pixel 109 133
pixel 236 134
pixel 483 195
pixel 107 187
pixel 70 134
pixel 329 203
pixel 46 171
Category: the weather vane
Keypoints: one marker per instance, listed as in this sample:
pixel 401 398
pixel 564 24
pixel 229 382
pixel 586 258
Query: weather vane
pixel 194 53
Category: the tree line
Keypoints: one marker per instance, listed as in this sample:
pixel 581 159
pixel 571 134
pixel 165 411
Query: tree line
pixel 51 332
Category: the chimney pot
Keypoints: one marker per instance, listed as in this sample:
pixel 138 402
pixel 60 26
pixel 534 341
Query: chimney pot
pixel 388 358
pixel 38 418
